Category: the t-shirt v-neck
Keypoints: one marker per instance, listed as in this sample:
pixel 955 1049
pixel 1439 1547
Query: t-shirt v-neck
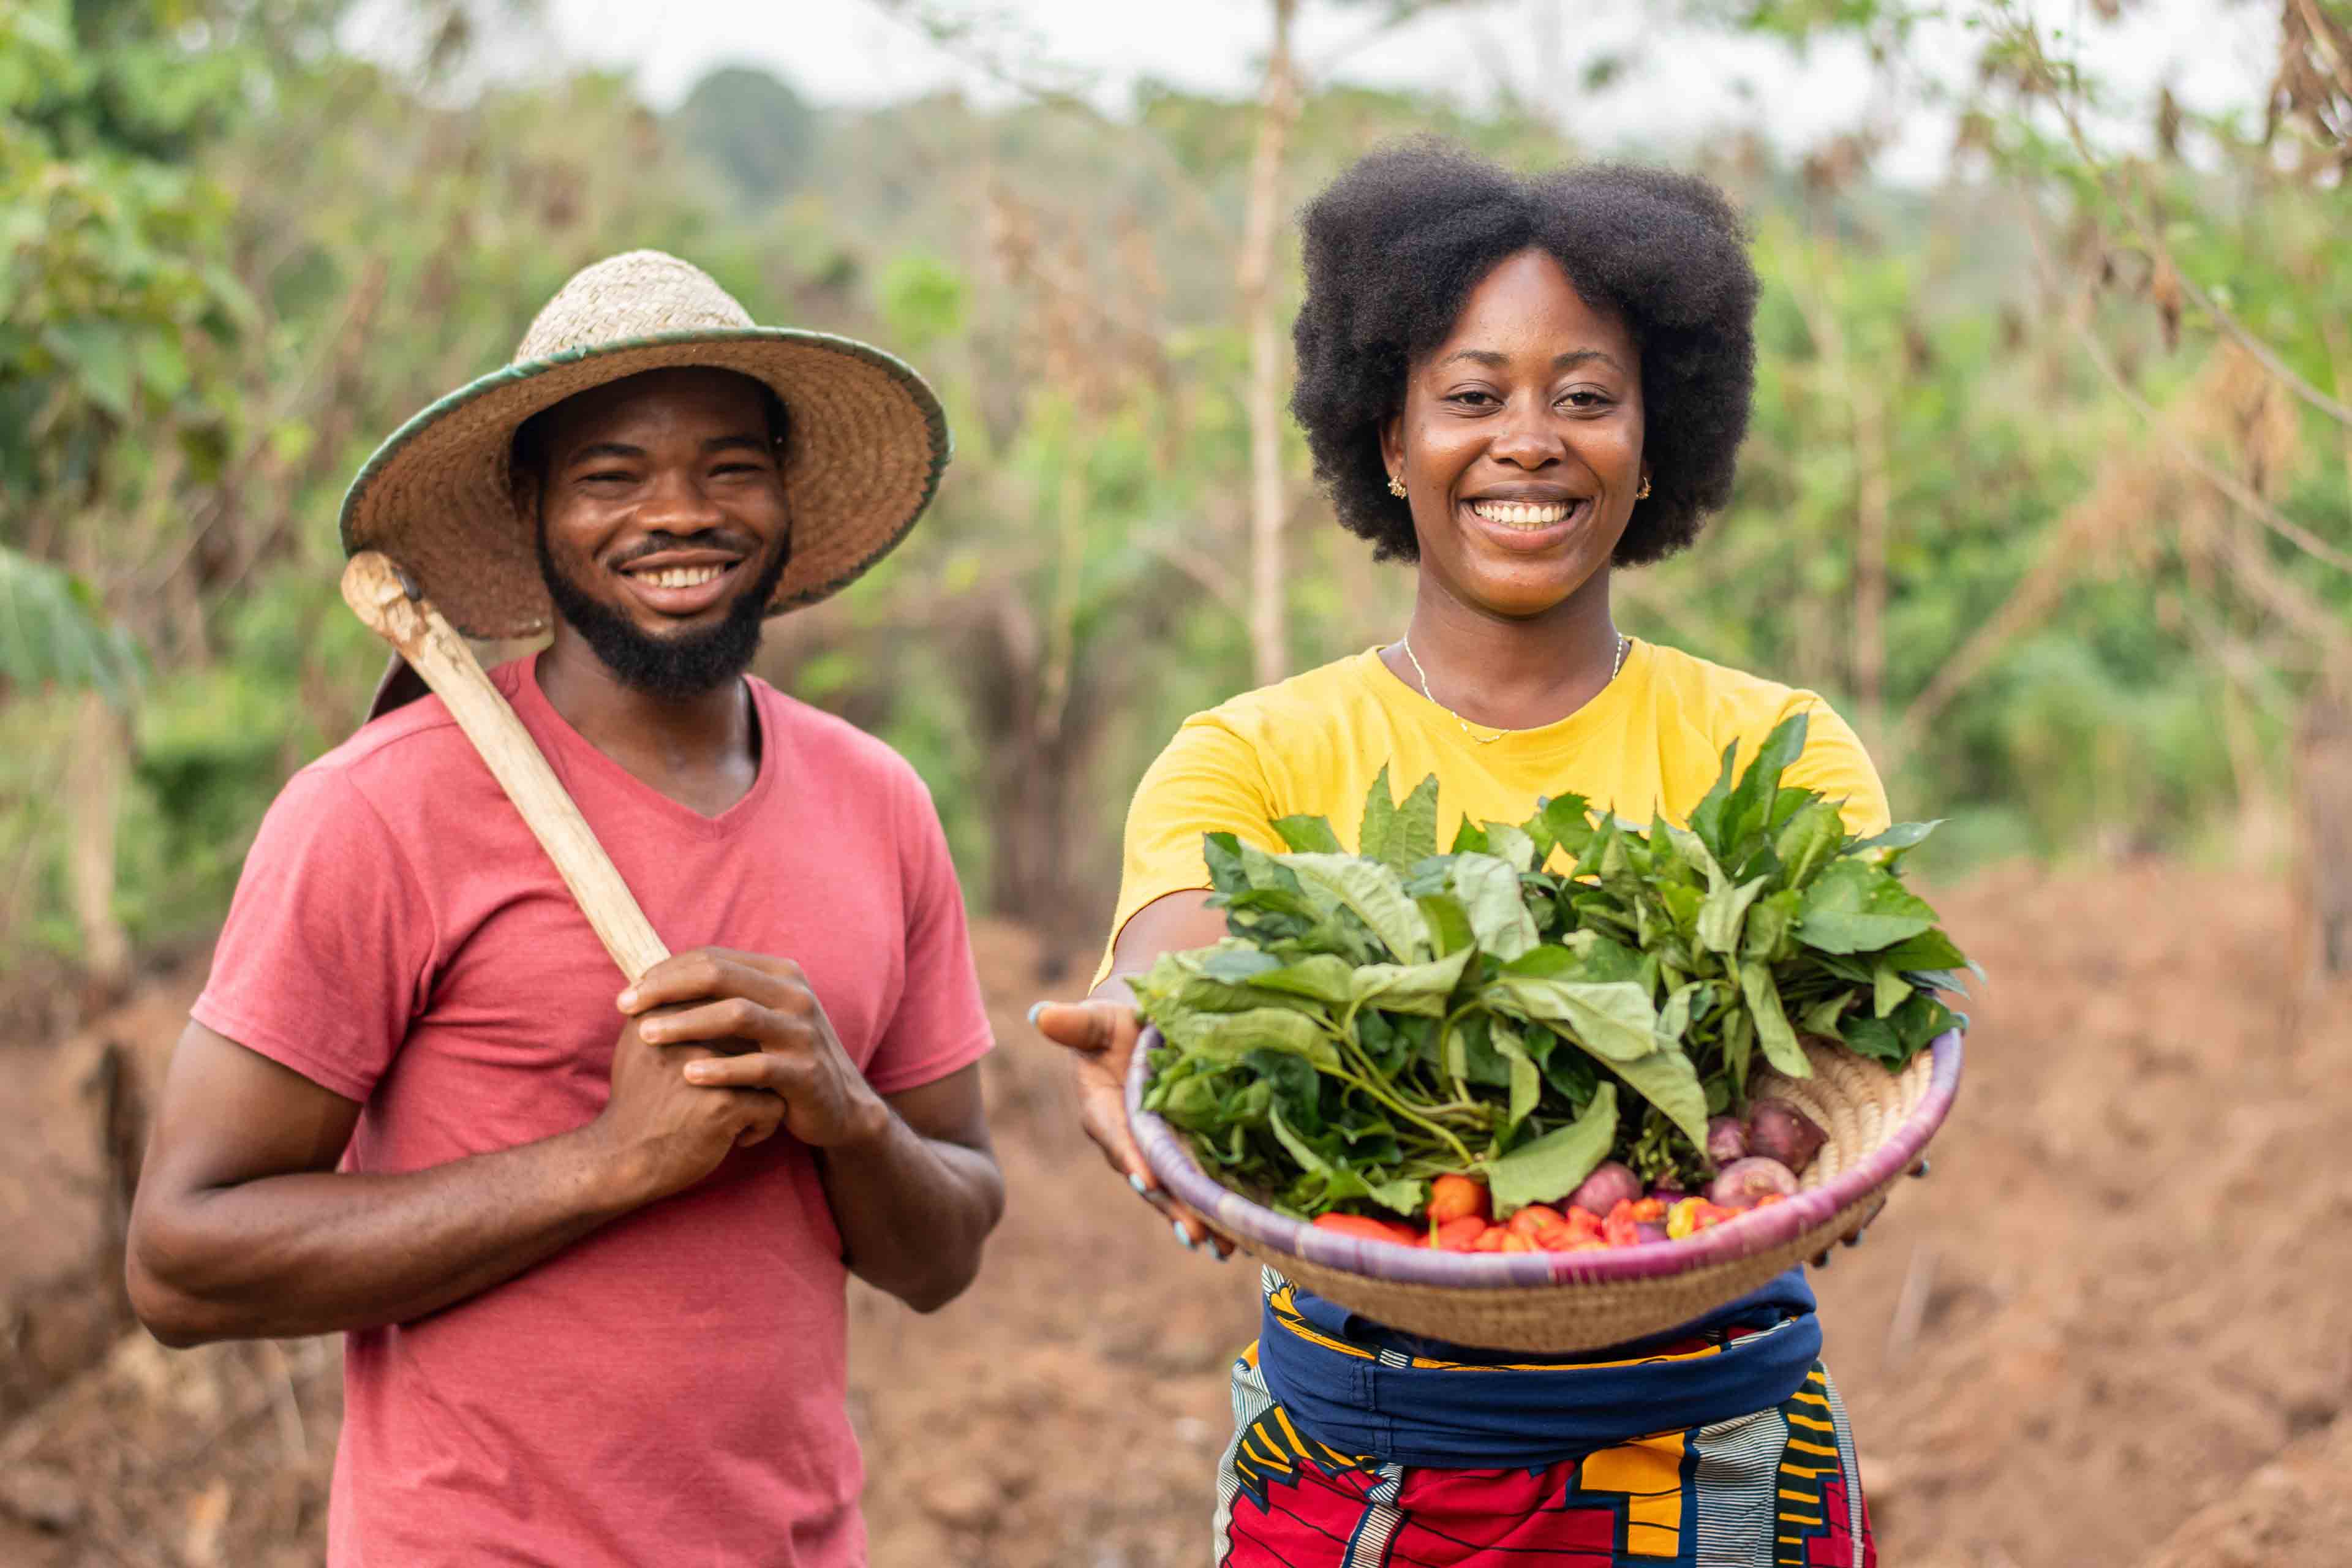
pixel 566 749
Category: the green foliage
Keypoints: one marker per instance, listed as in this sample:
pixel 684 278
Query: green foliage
pixel 52 633
pixel 1371 1022
pixel 755 129
pixel 233 257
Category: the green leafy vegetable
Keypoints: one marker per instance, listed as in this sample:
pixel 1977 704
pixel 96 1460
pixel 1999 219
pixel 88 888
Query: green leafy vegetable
pixel 1374 1020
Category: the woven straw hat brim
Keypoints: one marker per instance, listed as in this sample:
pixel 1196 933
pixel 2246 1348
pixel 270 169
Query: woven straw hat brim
pixel 867 446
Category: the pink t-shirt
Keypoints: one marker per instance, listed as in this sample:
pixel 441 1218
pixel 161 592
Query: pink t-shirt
pixel 671 1388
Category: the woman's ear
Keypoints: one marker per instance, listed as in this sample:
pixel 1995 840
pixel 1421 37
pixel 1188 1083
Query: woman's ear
pixel 1392 445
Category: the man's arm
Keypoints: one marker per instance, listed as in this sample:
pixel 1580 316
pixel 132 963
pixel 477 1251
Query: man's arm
pixel 243 1229
pixel 915 1203
pixel 912 1179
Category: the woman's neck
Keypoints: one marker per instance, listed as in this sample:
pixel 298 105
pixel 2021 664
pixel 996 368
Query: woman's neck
pixel 1503 673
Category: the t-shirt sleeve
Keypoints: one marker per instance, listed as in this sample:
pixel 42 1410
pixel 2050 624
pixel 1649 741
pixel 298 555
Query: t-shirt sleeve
pixel 1834 763
pixel 1208 780
pixel 941 1025
pixel 328 950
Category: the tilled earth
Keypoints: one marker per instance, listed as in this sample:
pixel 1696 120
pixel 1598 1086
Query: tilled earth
pixel 2115 1327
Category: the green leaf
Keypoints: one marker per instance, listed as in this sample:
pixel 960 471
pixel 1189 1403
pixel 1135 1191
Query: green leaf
pixel 1416 988
pixel 1405 1195
pixel 1613 1019
pixel 1720 918
pixel 1692 849
pixel 1469 838
pixel 1749 809
pixel 1855 906
pixel 1890 990
pixel 1930 950
pixel 1400 836
pixel 1511 845
pixel 1668 1080
pixel 1772 1030
pixel 1772 927
pixel 1448 922
pixel 1372 892
pixel 1308 835
pixel 1739 1045
pixel 1554 1165
pixel 1526 1079
pixel 1489 892
pixel 1806 842
pixel 1674 1019
pixel 99 351
pixel 1562 822
pixel 1821 1017
pixel 1902 835
pixel 1322 977
pixel 1706 817
pixel 1225 1037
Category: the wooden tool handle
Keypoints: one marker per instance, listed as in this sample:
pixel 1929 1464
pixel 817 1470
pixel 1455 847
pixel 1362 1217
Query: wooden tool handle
pixel 374 588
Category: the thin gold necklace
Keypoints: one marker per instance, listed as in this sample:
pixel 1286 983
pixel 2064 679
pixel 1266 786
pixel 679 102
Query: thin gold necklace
pixel 1623 642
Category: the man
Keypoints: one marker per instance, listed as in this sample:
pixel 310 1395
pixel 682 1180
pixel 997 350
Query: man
pixel 588 1244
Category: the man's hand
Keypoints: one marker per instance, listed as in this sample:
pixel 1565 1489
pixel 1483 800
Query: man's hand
pixel 720 1000
pixel 668 1132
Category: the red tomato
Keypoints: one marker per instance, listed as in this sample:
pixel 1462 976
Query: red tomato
pixel 1458 1234
pixel 1454 1197
pixel 1535 1218
pixel 1620 1228
pixel 1368 1228
pixel 1491 1239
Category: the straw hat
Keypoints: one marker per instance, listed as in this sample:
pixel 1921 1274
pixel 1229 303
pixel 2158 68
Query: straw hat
pixel 867 447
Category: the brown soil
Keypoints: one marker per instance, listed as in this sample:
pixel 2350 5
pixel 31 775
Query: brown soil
pixel 2112 1328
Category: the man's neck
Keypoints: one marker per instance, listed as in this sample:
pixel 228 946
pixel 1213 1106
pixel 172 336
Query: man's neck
pixel 701 750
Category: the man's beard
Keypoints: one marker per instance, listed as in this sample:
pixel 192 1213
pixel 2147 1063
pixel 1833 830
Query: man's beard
pixel 673 668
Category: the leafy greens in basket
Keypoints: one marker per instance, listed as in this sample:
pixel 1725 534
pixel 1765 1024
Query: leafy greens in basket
pixel 1378 1019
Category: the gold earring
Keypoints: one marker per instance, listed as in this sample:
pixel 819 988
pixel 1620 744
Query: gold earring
pixel 1396 486
pixel 1643 493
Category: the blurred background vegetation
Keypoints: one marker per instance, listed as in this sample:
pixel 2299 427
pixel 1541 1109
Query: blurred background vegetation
pixel 2049 485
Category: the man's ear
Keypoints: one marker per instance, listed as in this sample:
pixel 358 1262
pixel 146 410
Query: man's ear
pixel 523 485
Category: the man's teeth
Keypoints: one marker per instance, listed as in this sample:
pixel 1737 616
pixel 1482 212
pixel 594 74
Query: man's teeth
pixel 682 576
pixel 1521 514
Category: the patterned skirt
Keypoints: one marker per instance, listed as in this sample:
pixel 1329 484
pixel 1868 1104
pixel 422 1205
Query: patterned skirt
pixel 1776 1489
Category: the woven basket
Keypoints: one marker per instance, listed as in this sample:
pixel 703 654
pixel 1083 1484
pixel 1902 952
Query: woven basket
pixel 1557 1302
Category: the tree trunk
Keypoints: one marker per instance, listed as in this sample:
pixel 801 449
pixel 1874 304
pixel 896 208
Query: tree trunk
pixel 101 745
pixel 1277 108
pixel 2322 813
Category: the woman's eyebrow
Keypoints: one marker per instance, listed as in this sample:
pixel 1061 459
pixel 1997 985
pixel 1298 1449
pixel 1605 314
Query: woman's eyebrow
pixel 1493 361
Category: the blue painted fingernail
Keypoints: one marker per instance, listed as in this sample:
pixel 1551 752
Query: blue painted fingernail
pixel 1137 1183
pixel 1182 1234
pixel 1035 1008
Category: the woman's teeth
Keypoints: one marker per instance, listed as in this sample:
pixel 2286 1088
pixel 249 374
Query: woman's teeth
pixel 1521 514
pixel 682 576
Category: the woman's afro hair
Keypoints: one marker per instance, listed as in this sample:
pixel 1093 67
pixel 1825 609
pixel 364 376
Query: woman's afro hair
pixel 1395 246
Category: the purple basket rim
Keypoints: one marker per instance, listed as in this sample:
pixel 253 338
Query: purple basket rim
pixel 1760 1230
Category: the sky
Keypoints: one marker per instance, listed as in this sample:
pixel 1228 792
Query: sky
pixel 1678 83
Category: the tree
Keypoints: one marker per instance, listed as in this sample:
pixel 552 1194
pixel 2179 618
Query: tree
pixel 755 129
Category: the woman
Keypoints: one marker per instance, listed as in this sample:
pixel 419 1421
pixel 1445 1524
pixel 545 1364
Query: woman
pixel 1519 387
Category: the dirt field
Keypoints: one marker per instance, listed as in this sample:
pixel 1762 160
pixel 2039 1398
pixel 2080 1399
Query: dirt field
pixel 2115 1327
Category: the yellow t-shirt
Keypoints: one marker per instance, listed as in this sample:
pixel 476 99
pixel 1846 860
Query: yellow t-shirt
pixel 1653 739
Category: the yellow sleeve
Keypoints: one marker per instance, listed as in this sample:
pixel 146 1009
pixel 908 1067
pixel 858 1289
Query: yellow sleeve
pixel 1208 780
pixel 1834 763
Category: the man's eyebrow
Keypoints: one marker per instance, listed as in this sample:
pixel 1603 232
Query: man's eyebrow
pixel 620 449
pixel 738 443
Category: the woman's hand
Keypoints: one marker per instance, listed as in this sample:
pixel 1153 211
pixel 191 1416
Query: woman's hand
pixel 1100 1034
